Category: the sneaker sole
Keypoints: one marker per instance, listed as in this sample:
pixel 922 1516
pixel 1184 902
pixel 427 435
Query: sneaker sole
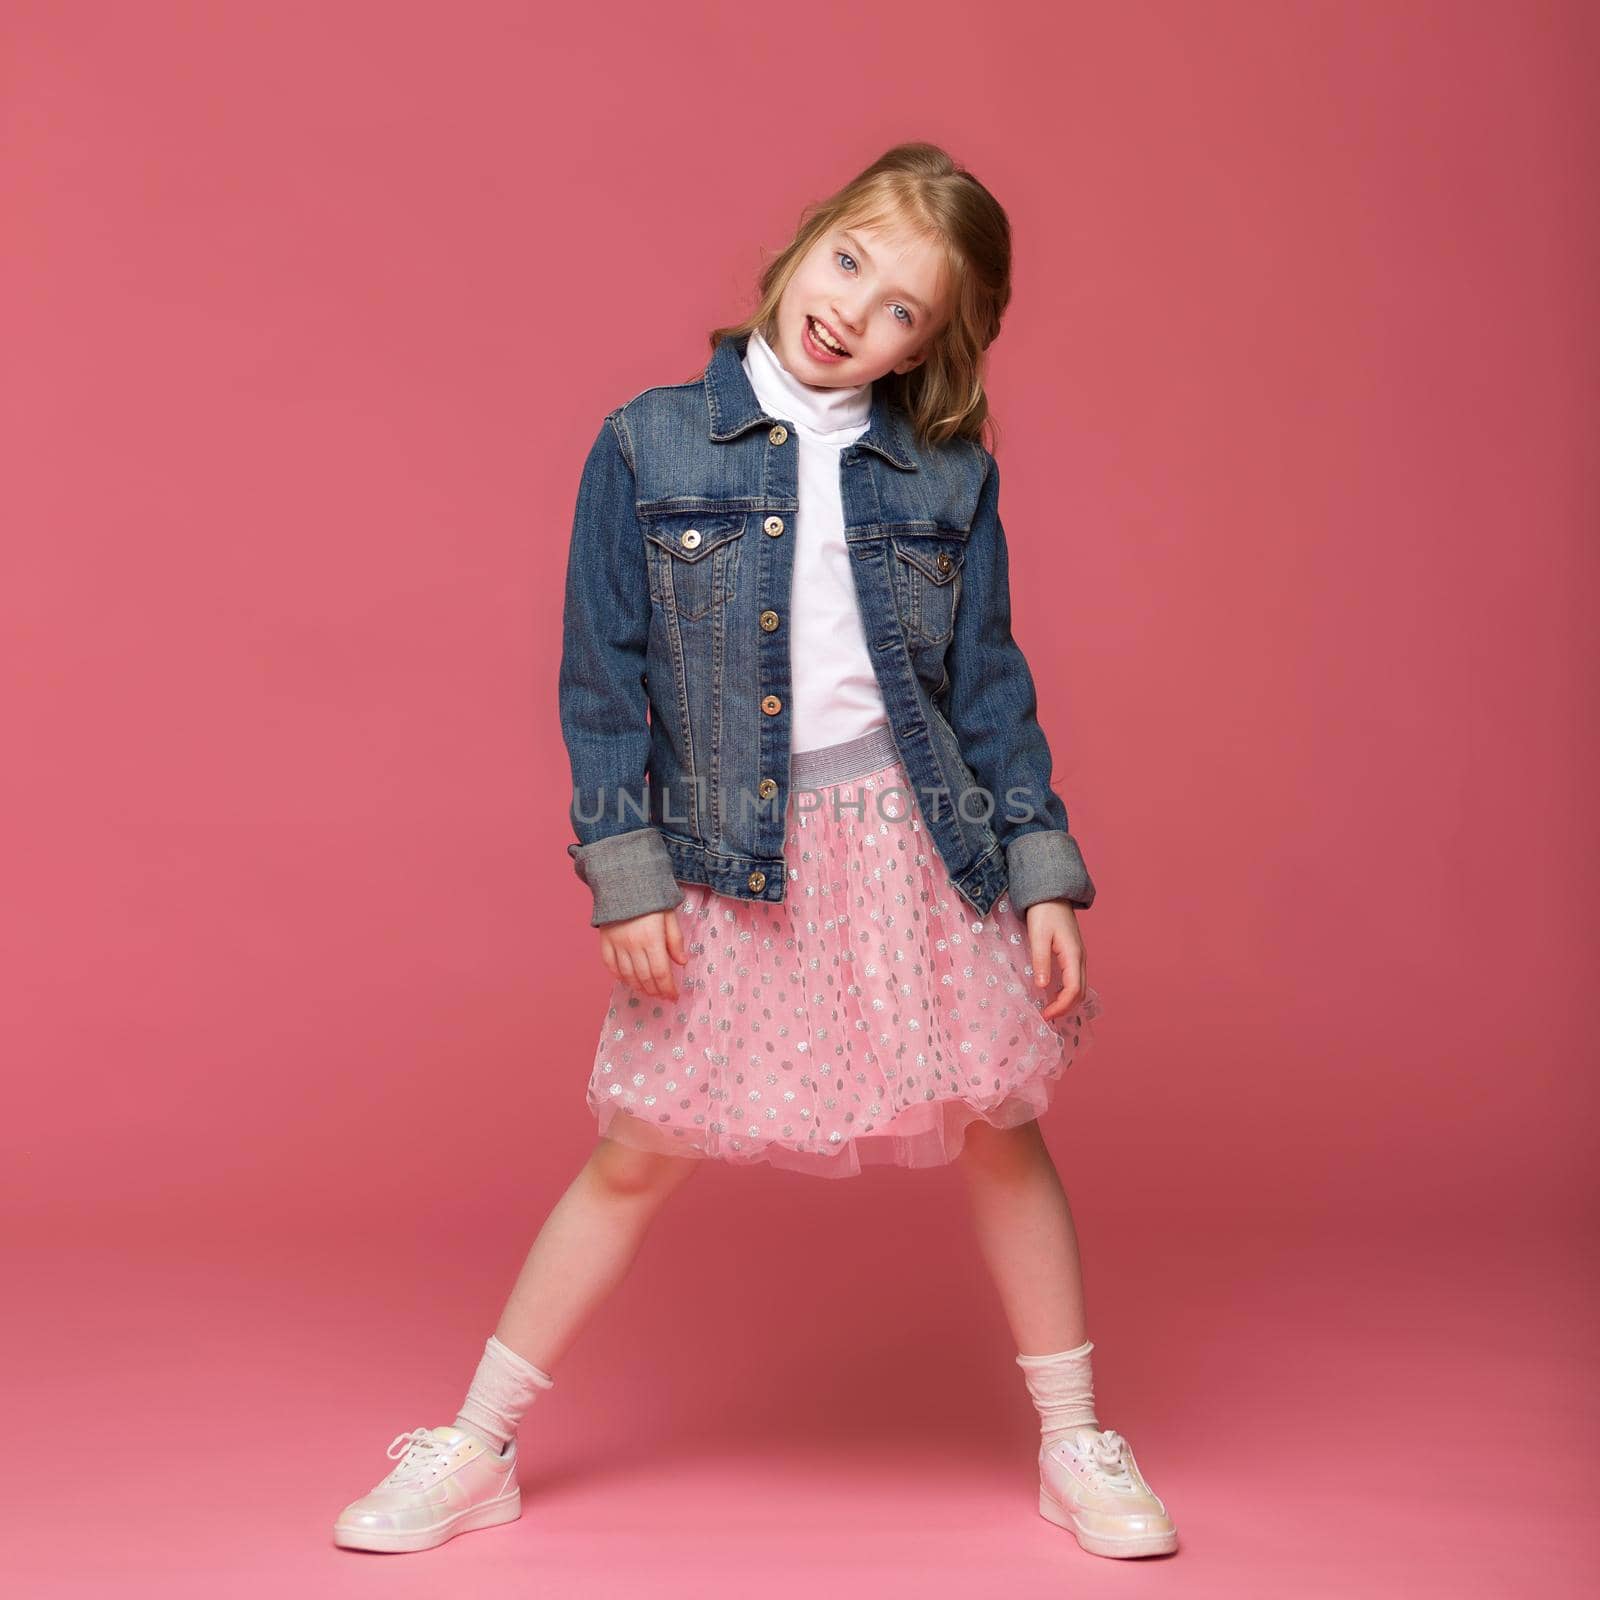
pixel 491 1515
pixel 1101 1544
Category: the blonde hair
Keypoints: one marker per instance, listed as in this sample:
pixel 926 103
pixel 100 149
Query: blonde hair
pixel 921 190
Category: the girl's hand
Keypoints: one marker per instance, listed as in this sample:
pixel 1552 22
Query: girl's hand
pixel 636 950
pixel 1053 932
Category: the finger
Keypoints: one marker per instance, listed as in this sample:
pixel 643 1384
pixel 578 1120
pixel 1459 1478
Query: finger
pixel 1058 1000
pixel 1080 976
pixel 660 972
pixel 643 968
pixel 608 954
pixel 1039 951
pixel 640 955
pixel 1071 979
pixel 675 943
pixel 625 966
pixel 669 948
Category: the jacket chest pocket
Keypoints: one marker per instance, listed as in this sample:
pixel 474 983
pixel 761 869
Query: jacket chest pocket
pixel 693 561
pixel 927 584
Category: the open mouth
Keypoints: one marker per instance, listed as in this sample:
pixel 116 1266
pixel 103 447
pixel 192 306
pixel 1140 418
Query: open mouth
pixel 824 340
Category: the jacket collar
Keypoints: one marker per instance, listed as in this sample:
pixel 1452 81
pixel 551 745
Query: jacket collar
pixel 734 409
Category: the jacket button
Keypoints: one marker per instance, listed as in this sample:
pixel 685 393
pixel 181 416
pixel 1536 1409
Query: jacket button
pixel 769 620
pixel 778 434
pixel 771 704
pixel 773 525
pixel 757 881
pixel 689 538
pixel 943 563
pixel 767 788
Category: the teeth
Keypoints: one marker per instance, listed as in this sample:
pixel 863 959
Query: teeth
pixel 820 334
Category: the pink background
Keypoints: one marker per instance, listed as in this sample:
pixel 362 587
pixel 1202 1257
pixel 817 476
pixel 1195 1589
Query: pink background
pixel 309 314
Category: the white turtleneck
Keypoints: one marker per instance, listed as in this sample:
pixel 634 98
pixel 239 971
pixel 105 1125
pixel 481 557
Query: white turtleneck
pixel 833 692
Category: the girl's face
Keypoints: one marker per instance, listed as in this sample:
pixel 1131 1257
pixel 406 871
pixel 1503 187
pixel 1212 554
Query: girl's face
pixel 877 293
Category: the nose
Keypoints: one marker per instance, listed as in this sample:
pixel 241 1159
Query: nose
pixel 849 316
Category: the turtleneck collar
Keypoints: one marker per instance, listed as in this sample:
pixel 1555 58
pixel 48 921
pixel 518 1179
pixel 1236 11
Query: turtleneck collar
pixel 821 411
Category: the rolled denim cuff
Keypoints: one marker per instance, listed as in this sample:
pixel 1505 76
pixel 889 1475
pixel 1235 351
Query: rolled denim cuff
pixel 1046 865
pixel 629 874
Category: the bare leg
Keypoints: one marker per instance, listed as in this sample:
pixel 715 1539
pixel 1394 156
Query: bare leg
pixel 586 1246
pixel 1025 1233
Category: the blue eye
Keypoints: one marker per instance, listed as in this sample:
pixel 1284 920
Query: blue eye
pixel 844 255
pixel 908 316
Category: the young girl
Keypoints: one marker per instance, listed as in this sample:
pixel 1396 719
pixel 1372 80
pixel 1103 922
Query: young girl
pixel 808 774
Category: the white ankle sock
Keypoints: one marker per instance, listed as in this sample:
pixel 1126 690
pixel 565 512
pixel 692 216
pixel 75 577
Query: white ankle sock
pixel 503 1388
pixel 1062 1386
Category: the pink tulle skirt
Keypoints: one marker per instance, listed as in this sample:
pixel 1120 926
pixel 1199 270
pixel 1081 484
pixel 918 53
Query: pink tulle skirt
pixel 869 1016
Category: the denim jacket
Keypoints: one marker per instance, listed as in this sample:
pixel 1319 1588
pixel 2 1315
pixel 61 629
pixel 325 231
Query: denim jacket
pixel 674 682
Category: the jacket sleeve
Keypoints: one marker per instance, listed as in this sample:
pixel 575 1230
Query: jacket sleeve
pixel 619 854
pixel 993 711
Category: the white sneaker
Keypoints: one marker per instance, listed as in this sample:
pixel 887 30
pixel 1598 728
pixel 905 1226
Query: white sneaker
pixel 1090 1484
pixel 448 1482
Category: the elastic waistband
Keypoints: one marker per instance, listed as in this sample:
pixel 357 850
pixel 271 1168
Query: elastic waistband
pixel 838 763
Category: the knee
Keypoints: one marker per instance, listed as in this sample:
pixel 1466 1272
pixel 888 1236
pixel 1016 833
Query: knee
pixel 626 1172
pixel 988 1149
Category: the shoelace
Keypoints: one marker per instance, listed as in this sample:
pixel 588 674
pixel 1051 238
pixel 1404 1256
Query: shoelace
pixel 1105 1456
pixel 421 1453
